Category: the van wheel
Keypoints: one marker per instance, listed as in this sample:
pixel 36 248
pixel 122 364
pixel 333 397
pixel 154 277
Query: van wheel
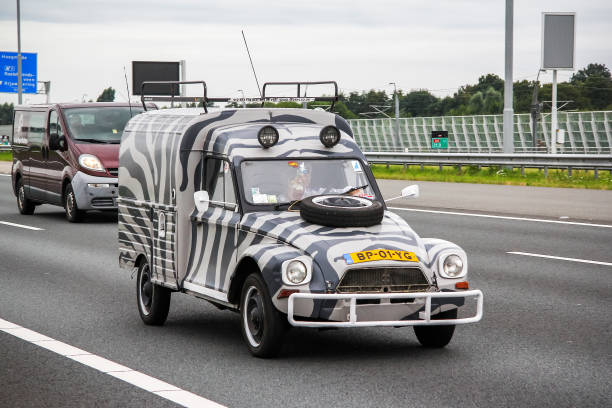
pixel 73 214
pixel 436 336
pixel 153 300
pixel 263 326
pixel 25 205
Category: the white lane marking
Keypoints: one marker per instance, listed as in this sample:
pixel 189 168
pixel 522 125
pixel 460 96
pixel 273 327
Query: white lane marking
pixel 503 217
pixel 12 224
pixel 5 175
pixel 140 380
pixel 561 258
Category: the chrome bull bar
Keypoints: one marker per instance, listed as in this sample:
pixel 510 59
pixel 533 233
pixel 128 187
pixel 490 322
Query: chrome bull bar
pixel 424 316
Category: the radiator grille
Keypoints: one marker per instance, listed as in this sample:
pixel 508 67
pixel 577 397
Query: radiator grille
pixel 377 280
pixel 113 172
pixel 102 202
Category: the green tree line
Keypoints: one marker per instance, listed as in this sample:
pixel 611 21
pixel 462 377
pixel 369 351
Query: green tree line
pixel 588 89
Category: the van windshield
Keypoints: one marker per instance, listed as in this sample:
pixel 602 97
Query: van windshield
pixel 99 124
pixel 283 181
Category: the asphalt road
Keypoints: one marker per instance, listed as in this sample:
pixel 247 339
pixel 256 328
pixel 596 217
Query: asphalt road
pixel 544 339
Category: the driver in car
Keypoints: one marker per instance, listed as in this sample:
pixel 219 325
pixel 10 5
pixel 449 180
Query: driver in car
pixel 300 186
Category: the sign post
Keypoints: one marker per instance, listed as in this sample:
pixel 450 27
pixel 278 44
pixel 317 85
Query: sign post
pixel 439 139
pixel 558 52
pixel 9 72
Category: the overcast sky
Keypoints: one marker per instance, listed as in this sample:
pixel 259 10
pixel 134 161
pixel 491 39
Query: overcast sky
pixel 440 45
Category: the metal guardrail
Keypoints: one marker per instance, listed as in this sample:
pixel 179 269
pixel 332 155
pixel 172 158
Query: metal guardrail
pixel 5 148
pixel 585 133
pixel 594 162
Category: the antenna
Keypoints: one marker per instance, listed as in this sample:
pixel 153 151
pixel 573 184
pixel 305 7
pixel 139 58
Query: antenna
pixel 128 91
pixel 250 59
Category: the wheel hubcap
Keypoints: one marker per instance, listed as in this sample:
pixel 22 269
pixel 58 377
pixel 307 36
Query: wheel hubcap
pixel 145 289
pixel 21 196
pixel 254 316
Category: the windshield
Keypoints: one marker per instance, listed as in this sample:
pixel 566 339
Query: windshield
pixel 99 124
pixel 283 181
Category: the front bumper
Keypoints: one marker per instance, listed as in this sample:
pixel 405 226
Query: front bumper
pixel 424 316
pixel 95 198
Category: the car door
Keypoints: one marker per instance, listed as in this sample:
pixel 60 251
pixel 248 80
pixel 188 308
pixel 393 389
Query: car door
pixel 36 124
pixel 54 161
pixel 216 228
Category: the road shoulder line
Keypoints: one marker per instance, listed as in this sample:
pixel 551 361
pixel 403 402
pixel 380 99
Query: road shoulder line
pixel 560 258
pixel 503 217
pixel 12 224
pixel 108 367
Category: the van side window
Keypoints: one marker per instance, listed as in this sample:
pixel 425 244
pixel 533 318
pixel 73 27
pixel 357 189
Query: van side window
pixel 20 129
pixel 36 128
pixel 218 181
pixel 55 125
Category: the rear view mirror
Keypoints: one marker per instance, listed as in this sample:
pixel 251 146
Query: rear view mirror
pixel 407 192
pixel 202 200
pixel 57 142
pixel 410 191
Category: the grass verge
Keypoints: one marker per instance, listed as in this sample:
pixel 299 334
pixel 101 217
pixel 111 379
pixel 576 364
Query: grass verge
pixel 497 175
pixel 6 156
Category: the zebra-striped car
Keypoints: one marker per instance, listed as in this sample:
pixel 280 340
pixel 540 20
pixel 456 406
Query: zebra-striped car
pixel 275 214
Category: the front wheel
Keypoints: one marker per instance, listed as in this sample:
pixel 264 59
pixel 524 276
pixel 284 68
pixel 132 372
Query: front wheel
pixel 73 214
pixel 436 336
pixel 153 300
pixel 262 325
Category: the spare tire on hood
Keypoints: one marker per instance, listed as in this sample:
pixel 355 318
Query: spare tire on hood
pixel 341 211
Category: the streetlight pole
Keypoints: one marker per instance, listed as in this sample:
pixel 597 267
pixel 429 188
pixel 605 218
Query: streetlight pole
pixel 508 109
pixel 397 128
pixel 243 101
pixel 19 78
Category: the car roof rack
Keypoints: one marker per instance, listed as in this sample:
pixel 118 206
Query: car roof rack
pixel 299 84
pixel 205 99
pixel 173 88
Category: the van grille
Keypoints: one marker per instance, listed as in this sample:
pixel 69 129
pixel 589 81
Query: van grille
pixel 113 172
pixel 102 202
pixel 377 280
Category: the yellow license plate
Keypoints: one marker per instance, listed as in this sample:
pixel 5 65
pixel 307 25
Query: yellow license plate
pixel 380 255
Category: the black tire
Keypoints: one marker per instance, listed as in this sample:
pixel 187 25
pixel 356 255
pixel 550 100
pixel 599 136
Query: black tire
pixel 341 211
pixel 263 326
pixel 24 204
pixel 73 214
pixel 436 336
pixel 153 300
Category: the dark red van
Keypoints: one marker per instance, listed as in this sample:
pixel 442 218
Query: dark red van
pixel 67 154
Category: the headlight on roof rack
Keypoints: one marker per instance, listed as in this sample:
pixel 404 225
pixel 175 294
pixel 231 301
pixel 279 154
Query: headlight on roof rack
pixel 330 136
pixel 267 136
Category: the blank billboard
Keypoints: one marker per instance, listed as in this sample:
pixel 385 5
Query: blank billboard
pixel 558 40
pixel 155 71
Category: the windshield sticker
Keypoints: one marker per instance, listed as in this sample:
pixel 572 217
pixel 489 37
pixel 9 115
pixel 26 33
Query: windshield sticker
pixel 356 166
pixel 115 131
pixel 293 164
pixel 254 190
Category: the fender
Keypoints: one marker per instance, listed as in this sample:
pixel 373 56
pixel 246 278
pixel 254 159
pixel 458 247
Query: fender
pixel 17 168
pixel 269 258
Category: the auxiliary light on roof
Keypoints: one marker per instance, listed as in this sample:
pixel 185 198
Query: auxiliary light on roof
pixel 267 136
pixel 330 136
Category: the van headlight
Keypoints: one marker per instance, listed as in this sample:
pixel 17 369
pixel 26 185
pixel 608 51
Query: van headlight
pixel 91 162
pixel 453 267
pixel 297 271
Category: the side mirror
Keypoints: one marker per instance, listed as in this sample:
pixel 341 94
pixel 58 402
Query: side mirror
pixel 410 191
pixel 57 142
pixel 202 200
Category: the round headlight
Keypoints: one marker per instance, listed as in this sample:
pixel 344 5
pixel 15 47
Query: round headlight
pixel 330 136
pixel 267 136
pixel 296 272
pixel 91 162
pixel 453 266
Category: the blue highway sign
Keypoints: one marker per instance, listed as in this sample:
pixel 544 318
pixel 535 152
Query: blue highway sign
pixel 8 72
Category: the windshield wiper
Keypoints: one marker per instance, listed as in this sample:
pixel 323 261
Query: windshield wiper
pixel 350 190
pixel 292 204
pixel 97 141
